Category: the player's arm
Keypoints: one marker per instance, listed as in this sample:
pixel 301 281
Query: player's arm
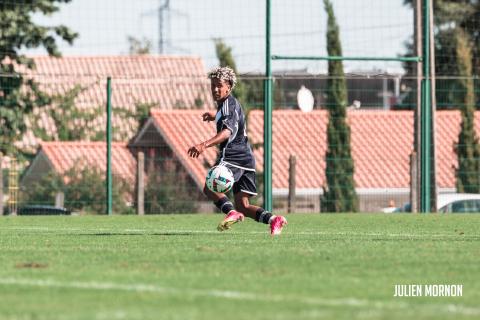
pixel 197 149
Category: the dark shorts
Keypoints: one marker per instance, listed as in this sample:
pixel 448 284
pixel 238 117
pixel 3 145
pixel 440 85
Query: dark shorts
pixel 244 180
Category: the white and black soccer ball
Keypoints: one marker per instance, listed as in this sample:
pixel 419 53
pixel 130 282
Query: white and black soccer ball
pixel 220 179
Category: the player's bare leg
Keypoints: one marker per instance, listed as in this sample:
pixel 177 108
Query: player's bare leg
pixel 223 203
pixel 242 204
pixel 214 196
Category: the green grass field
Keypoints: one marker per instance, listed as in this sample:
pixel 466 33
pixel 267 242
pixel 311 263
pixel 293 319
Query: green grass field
pixel 180 267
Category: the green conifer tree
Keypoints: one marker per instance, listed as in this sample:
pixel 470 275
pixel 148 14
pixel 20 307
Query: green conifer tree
pixel 225 59
pixel 339 194
pixel 468 148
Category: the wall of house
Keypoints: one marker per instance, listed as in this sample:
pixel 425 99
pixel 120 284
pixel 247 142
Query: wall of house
pixel 368 202
pixel 39 167
pixel 168 173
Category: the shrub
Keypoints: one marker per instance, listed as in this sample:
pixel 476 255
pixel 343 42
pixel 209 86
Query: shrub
pixel 84 190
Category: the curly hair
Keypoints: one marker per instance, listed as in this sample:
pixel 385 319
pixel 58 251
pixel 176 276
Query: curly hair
pixel 224 73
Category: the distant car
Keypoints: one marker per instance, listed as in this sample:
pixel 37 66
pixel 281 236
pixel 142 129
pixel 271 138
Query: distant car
pixel 458 203
pixel 41 210
pixel 448 203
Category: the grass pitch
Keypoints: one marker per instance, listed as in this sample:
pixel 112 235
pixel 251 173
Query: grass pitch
pixel 180 267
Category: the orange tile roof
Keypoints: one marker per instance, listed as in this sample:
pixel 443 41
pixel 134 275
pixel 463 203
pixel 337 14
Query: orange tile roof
pixel 294 132
pixel 131 66
pixel 381 145
pixel 166 82
pixel 64 155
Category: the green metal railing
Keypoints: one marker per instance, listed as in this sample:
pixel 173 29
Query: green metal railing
pixel 425 115
pixel 267 153
pixel 339 58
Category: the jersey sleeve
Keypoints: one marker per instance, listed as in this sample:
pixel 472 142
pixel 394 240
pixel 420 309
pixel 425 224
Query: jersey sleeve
pixel 229 119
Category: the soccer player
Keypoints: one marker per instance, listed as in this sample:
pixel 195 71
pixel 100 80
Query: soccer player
pixel 235 153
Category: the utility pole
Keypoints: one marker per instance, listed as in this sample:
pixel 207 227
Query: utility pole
pixel 163 39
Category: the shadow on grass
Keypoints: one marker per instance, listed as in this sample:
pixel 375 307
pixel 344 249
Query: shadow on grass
pixel 425 239
pixel 106 234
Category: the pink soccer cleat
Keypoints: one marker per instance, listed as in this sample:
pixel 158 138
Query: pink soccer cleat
pixel 277 225
pixel 231 218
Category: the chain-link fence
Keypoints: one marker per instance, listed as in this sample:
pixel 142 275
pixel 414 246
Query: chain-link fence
pixel 343 131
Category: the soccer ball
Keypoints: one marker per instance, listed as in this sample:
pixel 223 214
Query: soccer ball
pixel 219 179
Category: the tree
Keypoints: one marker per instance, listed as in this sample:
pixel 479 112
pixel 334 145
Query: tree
pixel 339 193
pixel 139 46
pixel 248 91
pixel 19 32
pixel 450 17
pixel 71 123
pixel 468 148
pixel 457 56
pixel 225 59
pixel 84 190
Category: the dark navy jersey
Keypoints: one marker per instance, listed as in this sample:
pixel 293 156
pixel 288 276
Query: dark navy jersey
pixel 235 151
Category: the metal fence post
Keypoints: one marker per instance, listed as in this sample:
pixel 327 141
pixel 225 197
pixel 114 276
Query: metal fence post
pixel 267 114
pixel 1 184
pixel 60 199
pixel 413 182
pixel 140 183
pixel 109 149
pixel 292 203
pixel 426 114
pixel 13 187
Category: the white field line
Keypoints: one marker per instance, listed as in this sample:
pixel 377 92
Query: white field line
pixel 238 295
pixel 180 231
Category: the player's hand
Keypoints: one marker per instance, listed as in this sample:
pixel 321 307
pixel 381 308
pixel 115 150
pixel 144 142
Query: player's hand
pixel 208 116
pixel 196 150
